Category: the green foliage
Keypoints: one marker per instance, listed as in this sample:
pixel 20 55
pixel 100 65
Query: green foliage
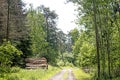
pixel 43 33
pixel 87 54
pixel 81 75
pixel 7 52
pixel 65 59
pixel 35 74
pixel 84 50
pixel 12 23
pixel 74 35
pixel 52 32
pixel 108 25
pixel 46 39
pixel 25 46
pixel 15 69
pixel 37 34
pixel 13 27
pixel 60 63
pixel 106 19
pixel 13 77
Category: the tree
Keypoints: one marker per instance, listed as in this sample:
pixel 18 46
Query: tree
pixel 13 20
pixel 74 35
pixel 104 14
pixel 61 42
pixel 51 33
pixel 36 23
pixel 84 50
pixel 3 19
pixel 13 24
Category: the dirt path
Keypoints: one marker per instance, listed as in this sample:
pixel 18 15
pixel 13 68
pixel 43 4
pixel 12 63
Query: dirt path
pixel 70 75
pixel 59 76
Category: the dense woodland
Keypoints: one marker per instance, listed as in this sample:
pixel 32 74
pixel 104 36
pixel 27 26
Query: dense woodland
pixel 33 32
pixel 99 43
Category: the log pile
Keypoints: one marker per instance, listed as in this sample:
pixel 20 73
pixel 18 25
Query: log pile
pixel 33 63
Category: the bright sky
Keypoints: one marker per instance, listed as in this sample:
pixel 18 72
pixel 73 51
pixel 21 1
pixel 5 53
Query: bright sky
pixel 65 12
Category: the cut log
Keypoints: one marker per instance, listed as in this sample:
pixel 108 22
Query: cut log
pixel 32 63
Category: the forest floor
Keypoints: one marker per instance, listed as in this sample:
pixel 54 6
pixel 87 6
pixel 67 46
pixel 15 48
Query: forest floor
pixel 52 73
pixel 65 74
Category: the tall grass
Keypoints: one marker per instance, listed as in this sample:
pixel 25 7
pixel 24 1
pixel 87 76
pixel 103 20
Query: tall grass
pixel 80 74
pixel 33 74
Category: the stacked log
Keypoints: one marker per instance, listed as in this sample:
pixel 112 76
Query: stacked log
pixel 33 63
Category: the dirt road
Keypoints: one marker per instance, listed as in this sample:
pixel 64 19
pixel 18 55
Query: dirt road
pixel 60 75
pixel 70 75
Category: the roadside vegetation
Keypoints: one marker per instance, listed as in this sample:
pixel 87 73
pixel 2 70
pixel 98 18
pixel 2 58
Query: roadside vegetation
pixel 32 32
pixel 81 75
pixel 65 76
pixel 17 73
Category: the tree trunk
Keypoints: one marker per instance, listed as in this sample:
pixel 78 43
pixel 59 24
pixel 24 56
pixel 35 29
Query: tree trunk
pixel 8 18
pixel 97 39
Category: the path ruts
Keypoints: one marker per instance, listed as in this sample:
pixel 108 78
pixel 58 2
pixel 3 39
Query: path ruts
pixel 59 76
pixel 70 75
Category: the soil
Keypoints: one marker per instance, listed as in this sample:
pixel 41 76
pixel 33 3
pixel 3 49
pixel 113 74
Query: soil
pixel 59 75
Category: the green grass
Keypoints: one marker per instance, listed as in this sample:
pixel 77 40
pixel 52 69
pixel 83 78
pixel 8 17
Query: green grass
pixel 43 74
pixel 36 74
pixel 80 74
pixel 65 75
pixel 116 78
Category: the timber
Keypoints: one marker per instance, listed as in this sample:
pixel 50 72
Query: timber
pixel 33 63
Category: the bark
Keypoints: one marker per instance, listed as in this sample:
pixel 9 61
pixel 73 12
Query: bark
pixel 97 39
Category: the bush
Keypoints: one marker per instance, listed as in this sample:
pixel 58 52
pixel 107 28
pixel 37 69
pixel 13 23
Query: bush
pixel 15 69
pixel 4 69
pixel 69 64
pixel 7 52
pixel 60 63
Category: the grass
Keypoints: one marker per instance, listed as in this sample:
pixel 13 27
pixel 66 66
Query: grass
pixel 43 74
pixel 80 74
pixel 65 75
pixel 116 78
pixel 36 74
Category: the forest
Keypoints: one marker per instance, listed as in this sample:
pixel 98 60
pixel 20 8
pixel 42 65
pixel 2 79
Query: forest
pixel 92 50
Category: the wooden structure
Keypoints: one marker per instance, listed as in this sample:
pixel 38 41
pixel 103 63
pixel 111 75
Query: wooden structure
pixel 33 63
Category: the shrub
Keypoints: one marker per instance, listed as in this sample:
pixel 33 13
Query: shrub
pixel 7 52
pixel 15 69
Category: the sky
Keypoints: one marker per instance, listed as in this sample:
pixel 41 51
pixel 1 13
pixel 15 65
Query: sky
pixel 65 12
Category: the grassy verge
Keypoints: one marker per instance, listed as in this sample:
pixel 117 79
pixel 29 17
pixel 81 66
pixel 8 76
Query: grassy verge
pixel 36 74
pixel 117 78
pixel 80 74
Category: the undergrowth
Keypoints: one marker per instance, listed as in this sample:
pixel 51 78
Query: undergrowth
pixel 80 74
pixel 33 74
